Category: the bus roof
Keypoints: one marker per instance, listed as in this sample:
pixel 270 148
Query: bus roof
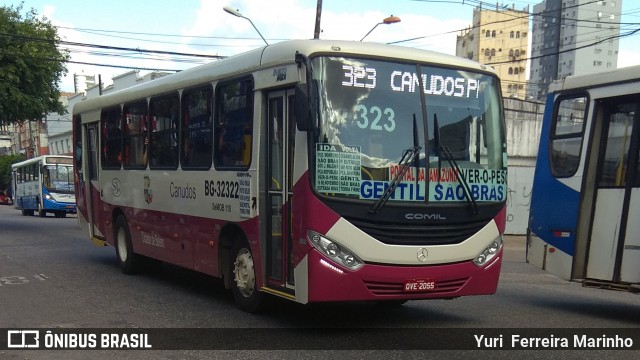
pixel 626 74
pixel 39 159
pixel 273 55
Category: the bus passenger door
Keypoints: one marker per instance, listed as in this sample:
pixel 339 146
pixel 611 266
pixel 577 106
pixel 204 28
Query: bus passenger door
pixel 614 250
pixel 91 178
pixel 281 135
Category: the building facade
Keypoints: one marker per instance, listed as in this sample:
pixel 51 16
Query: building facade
pixel 499 37
pixel 572 37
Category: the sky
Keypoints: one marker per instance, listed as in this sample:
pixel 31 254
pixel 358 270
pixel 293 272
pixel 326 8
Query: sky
pixel 202 27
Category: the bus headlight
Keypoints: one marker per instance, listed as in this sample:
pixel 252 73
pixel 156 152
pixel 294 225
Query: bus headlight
pixel 48 197
pixel 489 252
pixel 334 251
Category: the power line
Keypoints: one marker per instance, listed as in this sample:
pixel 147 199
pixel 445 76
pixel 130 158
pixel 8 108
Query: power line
pixel 572 49
pixel 120 66
pixel 540 14
pixel 137 50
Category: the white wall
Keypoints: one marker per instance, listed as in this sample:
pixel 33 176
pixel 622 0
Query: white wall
pixel 520 181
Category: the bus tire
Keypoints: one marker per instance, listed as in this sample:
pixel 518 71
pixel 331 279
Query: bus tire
pixel 244 285
pixel 129 262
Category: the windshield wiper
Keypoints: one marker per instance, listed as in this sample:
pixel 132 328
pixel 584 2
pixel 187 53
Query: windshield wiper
pixel 405 162
pixel 409 156
pixel 454 165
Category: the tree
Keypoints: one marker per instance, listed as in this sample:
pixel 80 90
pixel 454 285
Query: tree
pixel 5 169
pixel 31 66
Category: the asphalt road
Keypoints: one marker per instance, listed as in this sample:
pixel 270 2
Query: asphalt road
pixel 52 277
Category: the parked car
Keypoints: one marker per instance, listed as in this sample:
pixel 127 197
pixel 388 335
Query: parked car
pixel 4 198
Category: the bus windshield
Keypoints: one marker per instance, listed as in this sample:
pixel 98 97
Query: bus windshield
pixel 58 178
pixel 372 112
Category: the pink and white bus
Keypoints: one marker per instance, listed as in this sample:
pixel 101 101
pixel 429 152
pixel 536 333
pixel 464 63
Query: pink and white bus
pixel 312 170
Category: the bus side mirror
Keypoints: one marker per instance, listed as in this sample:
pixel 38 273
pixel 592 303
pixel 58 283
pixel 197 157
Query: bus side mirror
pixel 303 108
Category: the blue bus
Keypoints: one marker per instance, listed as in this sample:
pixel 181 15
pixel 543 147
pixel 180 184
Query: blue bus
pixel 584 222
pixel 44 185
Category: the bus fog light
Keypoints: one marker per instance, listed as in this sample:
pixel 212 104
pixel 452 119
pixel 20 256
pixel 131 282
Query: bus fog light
pixel 349 260
pixel 489 252
pixel 334 251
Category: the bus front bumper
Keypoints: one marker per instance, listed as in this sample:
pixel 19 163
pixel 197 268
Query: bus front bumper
pixel 328 281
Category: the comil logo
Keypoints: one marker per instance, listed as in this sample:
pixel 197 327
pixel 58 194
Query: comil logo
pixel 419 216
pixel 23 339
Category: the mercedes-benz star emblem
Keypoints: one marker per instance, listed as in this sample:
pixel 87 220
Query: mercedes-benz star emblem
pixel 423 254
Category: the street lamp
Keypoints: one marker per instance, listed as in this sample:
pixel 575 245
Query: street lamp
pixel 389 20
pixel 237 13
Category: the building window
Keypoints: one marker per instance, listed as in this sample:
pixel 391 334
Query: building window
pixel 512 34
pixel 510 72
pixel 493 33
pixel 488 33
pixel 487 52
pixel 493 52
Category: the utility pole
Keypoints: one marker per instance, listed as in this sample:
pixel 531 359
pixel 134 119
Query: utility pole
pixel 316 33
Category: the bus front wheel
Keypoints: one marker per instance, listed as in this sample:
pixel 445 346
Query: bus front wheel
pixel 244 285
pixel 129 262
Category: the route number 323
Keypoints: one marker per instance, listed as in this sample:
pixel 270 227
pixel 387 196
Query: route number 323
pixel 375 118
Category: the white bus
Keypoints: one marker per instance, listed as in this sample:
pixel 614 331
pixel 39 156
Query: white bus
pixel 44 185
pixel 312 170
pixel 585 203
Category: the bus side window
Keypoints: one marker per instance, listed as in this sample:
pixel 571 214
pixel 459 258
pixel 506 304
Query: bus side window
pixel 135 126
pixel 618 119
pixel 566 137
pixel 111 138
pixel 234 124
pixel 163 144
pixel 196 128
pixel 77 151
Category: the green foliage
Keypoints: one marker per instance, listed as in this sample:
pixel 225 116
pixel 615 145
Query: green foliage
pixel 5 169
pixel 31 66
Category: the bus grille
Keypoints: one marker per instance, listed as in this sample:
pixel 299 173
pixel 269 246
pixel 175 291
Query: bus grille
pixel 391 288
pixel 419 235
